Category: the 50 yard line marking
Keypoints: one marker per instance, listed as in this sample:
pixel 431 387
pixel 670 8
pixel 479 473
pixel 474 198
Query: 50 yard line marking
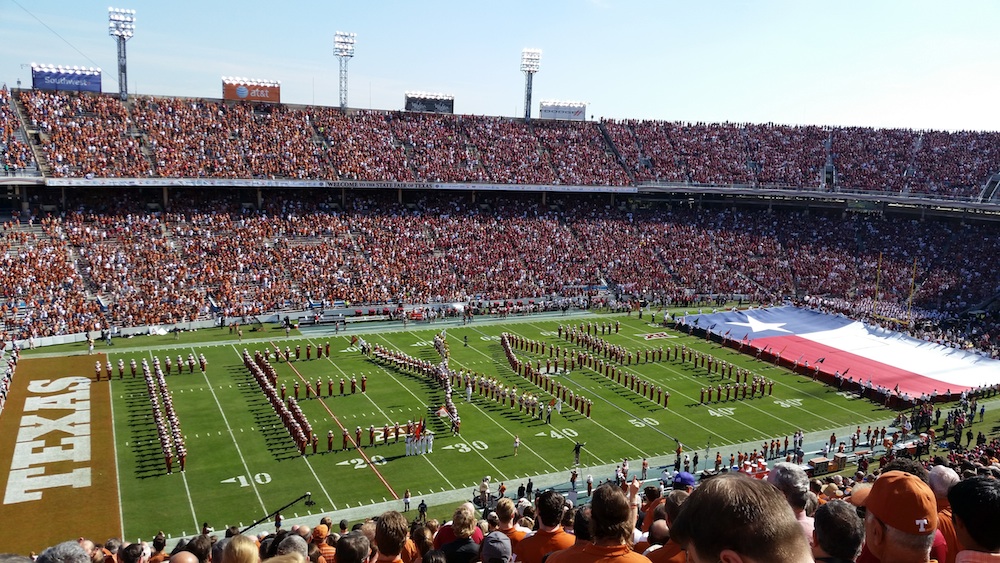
pixel 672 368
pixel 605 428
pixel 592 372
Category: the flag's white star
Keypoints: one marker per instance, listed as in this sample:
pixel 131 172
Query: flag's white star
pixel 760 326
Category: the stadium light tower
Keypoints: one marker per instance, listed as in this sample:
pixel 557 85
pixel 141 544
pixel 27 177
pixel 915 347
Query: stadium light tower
pixel 121 26
pixel 531 59
pixel 343 48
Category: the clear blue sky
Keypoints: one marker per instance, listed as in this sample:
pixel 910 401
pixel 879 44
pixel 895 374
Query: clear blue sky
pixel 900 63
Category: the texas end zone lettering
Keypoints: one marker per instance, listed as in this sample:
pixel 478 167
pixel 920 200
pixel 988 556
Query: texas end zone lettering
pixel 43 440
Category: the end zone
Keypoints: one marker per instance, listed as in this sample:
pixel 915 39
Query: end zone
pixel 57 462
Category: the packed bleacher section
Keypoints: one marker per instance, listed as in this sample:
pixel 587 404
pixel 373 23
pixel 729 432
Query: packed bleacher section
pixel 15 154
pixel 83 135
pixel 112 261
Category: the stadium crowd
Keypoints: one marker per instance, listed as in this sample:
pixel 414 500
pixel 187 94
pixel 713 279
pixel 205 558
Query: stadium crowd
pixel 940 510
pixel 113 261
pixel 15 155
pixel 83 135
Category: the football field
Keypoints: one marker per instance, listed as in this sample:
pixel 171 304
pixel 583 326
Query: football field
pixel 242 465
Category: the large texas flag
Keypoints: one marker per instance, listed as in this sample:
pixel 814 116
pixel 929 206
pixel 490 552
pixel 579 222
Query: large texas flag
pixel 837 343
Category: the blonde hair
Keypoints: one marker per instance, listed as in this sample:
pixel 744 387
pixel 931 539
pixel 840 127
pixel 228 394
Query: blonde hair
pixel 294 557
pixel 241 549
pixel 463 522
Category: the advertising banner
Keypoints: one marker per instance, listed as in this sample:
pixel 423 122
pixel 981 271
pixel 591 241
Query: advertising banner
pixel 573 111
pixel 241 89
pixel 66 78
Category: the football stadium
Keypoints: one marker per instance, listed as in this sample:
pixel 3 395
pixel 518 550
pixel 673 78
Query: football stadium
pixel 235 316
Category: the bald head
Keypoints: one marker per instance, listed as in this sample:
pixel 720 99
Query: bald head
pixel 659 533
pixel 305 532
pixel 183 557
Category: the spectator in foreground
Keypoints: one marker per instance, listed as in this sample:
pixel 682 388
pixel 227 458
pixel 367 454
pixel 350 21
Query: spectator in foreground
pixel 838 532
pixel 732 517
pixel 319 539
pixel 974 504
pixel 353 548
pixel 134 553
pixel 65 552
pixel 159 554
pixel 446 535
pixel 793 482
pixel 506 512
pixel 241 549
pixel 900 519
pixel 293 543
pixel 671 551
pixel 463 549
pixel 391 532
pixel 495 548
pixel 550 535
pixel 184 556
pixel 612 519
pixel 941 479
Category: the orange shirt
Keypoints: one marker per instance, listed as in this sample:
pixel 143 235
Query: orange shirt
pixel 410 552
pixel 327 551
pixel 947 528
pixel 648 509
pixel 532 549
pixel 671 552
pixel 591 553
pixel 515 534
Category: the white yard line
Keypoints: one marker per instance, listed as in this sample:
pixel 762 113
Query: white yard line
pixel 318 480
pixel 118 481
pixel 304 458
pixel 194 516
pixel 233 437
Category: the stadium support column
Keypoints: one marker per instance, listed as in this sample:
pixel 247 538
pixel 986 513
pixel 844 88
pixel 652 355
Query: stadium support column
pixel 121 26
pixel 166 199
pixel 530 61
pixel 343 49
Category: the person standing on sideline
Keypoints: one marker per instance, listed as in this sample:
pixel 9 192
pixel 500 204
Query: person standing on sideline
pixel 406 501
pixel 517 444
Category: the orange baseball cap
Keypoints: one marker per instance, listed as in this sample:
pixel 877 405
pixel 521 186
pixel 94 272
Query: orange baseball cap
pixel 904 502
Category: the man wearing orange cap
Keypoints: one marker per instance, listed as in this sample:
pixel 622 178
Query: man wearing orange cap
pixel 901 518
pixel 319 535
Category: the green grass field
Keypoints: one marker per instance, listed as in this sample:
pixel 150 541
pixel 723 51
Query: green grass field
pixel 242 464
